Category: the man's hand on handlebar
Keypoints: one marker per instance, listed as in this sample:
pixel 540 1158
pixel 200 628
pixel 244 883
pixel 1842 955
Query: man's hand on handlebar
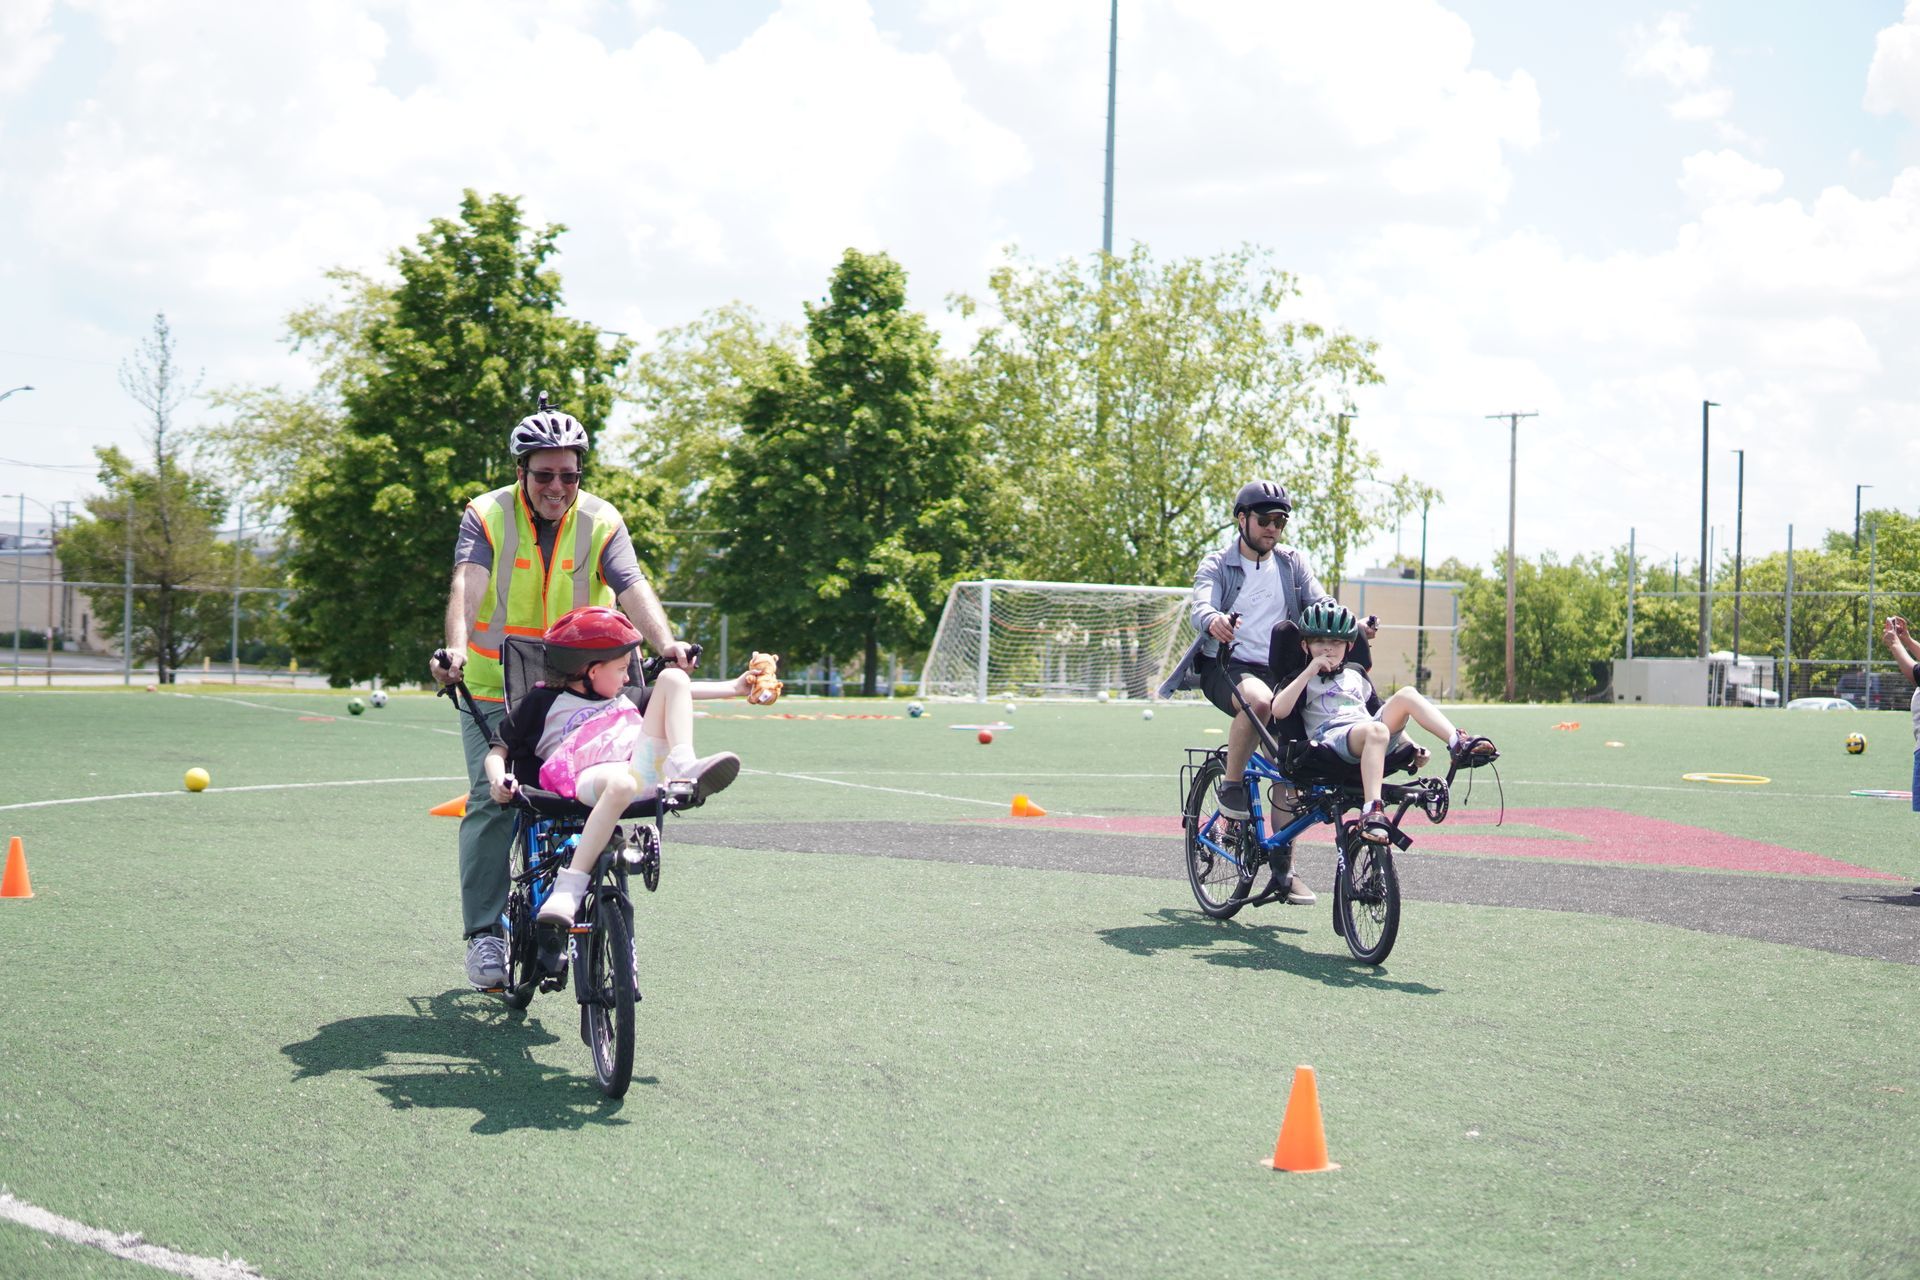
pixel 683 655
pixel 1221 627
pixel 504 790
pixel 1370 625
pixel 447 666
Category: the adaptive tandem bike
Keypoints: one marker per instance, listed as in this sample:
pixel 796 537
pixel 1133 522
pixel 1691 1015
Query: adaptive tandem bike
pixel 1306 785
pixel 600 951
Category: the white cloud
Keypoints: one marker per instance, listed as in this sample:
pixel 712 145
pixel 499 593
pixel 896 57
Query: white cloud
pixel 1665 52
pixel 1725 177
pixel 27 42
pixel 1893 78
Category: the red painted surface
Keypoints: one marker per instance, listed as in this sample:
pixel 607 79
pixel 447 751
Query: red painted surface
pixel 1597 835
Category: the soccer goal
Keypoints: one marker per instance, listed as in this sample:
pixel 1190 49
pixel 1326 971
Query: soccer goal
pixel 1055 640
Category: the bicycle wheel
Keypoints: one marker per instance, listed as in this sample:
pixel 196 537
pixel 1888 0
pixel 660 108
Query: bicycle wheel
pixel 608 990
pixel 523 975
pixel 1219 883
pixel 1366 900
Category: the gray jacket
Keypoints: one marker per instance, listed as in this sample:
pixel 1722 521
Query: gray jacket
pixel 1216 585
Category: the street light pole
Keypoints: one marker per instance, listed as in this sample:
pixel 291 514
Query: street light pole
pixel 1705 623
pixel 1856 515
pixel 1420 618
pixel 1739 513
pixel 1513 475
pixel 5 394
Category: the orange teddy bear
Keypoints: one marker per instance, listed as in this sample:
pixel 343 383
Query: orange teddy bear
pixel 766 682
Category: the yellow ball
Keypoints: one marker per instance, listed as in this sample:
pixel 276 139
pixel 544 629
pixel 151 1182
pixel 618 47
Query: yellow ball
pixel 1856 743
pixel 197 779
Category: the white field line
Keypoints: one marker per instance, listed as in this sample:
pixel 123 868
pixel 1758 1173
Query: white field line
pixel 129 1245
pixel 307 711
pixel 901 791
pixel 267 786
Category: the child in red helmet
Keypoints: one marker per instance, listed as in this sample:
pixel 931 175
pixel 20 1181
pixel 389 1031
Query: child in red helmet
pixel 602 742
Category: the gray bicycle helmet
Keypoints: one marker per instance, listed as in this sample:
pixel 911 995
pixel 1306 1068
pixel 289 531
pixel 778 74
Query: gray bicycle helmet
pixel 1329 618
pixel 1262 495
pixel 548 428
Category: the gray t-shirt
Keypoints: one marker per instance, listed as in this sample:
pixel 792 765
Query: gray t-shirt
pixel 618 564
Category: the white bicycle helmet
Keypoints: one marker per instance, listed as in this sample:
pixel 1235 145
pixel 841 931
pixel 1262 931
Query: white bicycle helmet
pixel 548 428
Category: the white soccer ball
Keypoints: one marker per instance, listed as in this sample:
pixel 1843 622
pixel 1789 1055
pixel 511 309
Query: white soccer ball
pixel 378 697
pixel 1100 696
pixel 1009 708
pixel 915 710
pixel 1146 713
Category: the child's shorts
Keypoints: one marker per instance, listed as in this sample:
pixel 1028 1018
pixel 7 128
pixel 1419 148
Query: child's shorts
pixel 1335 736
pixel 593 780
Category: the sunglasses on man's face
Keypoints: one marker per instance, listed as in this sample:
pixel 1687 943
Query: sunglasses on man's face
pixel 568 478
pixel 1270 519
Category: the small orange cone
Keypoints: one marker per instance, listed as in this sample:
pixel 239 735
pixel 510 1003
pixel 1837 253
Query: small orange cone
pixel 454 808
pixel 14 884
pixel 1025 808
pixel 1302 1147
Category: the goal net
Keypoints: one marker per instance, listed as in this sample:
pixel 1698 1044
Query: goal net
pixel 1055 640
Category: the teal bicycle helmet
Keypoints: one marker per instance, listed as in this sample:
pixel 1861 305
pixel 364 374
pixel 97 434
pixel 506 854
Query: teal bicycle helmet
pixel 1330 619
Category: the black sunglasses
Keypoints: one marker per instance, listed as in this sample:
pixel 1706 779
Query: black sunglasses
pixel 568 478
pixel 1269 520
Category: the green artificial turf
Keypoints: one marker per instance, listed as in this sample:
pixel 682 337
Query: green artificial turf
pixel 234 1023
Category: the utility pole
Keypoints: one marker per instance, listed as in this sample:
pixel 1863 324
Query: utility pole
pixel 1705 407
pixel 1513 476
pixel 1633 567
pixel 1113 79
pixel 1739 513
pixel 1856 515
pixel 1420 619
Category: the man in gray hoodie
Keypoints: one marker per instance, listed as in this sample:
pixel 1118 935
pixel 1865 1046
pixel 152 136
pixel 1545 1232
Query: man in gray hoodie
pixel 1240 592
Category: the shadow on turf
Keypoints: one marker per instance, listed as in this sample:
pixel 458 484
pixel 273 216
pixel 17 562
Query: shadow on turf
pixel 1250 946
pixel 465 1051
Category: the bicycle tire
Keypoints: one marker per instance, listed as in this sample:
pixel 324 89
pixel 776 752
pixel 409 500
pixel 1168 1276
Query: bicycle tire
pixel 608 990
pixel 523 970
pixel 1219 886
pixel 1366 900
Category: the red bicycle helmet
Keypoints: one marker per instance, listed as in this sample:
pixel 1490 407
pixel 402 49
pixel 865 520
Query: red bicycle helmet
pixel 593 633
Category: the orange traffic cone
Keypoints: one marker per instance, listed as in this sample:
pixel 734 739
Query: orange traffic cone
pixel 454 808
pixel 1302 1147
pixel 14 884
pixel 1025 808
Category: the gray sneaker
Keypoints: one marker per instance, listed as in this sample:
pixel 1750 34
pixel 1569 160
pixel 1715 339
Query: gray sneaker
pixel 713 773
pixel 1233 800
pixel 1298 895
pixel 486 961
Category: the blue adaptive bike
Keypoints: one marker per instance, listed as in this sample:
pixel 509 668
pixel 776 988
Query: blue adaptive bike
pixel 1305 785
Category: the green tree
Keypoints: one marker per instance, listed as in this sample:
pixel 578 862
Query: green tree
pixel 846 497
pixel 690 394
pixel 427 377
pixel 1568 620
pixel 1126 400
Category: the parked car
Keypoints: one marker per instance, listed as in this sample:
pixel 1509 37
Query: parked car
pixel 1752 695
pixel 1821 704
pixel 1876 690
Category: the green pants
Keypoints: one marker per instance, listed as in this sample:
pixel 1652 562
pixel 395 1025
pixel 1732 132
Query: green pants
pixel 486 833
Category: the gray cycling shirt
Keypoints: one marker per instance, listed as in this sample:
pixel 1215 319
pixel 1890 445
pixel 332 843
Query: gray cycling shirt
pixel 619 566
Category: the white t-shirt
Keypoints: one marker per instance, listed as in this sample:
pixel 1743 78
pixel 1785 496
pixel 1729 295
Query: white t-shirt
pixel 1261 605
pixel 1331 701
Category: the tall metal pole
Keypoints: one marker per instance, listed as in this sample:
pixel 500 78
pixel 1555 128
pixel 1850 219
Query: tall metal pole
pixel 239 540
pixel 1420 619
pixel 1739 513
pixel 1856 514
pixel 1786 693
pixel 1113 77
pixel 1513 477
pixel 1705 622
pixel 53 548
pixel 19 571
pixel 1867 670
pixel 1633 565
pixel 126 615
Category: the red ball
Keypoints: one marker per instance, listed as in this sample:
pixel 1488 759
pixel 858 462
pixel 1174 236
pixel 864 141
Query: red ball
pixel 986 735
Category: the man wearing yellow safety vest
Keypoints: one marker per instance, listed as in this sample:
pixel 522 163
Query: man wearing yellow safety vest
pixel 527 554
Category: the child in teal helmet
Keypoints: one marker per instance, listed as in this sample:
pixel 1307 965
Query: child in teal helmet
pixel 1340 710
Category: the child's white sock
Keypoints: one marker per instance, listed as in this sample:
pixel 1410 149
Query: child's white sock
pixel 679 762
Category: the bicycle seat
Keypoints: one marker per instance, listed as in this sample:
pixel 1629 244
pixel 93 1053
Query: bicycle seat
pixel 648 804
pixel 1308 764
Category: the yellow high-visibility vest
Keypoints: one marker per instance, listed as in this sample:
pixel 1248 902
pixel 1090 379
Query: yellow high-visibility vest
pixel 525 595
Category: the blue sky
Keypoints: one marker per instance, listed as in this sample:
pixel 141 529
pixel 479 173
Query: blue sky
pixel 1606 213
